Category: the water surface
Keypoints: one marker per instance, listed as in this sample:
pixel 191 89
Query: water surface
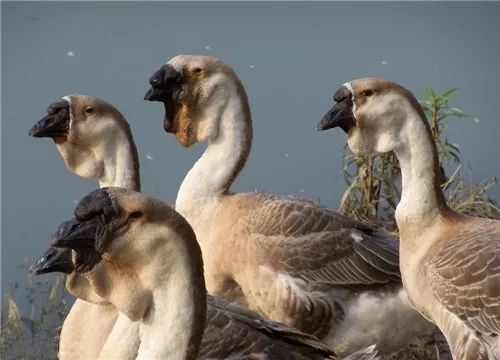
pixel 290 57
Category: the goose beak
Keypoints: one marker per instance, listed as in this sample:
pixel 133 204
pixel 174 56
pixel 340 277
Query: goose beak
pixel 55 124
pixel 164 83
pixel 53 260
pixel 75 235
pixel 340 114
pixel 98 208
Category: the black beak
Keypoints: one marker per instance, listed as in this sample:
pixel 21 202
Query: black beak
pixel 98 209
pixel 75 235
pixel 340 114
pixel 96 203
pixel 163 83
pixel 55 124
pixel 53 260
pixel 81 237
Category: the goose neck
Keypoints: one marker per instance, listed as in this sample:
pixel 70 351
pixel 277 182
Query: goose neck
pixel 223 159
pixel 120 163
pixel 173 326
pixel 422 200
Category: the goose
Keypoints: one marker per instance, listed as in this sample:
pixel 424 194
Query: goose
pixel 149 265
pixel 95 141
pixel 289 259
pixel 450 263
pixel 78 124
pixel 122 341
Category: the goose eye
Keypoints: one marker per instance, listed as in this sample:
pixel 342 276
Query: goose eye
pixel 368 93
pixel 135 215
pixel 89 110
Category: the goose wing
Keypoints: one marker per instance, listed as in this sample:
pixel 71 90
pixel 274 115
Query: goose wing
pixel 234 332
pixel 308 241
pixel 465 276
pixel 299 250
pixel 344 257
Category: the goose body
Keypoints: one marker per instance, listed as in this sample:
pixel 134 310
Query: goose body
pixel 94 327
pixel 150 268
pixel 289 259
pixel 450 263
pixel 95 141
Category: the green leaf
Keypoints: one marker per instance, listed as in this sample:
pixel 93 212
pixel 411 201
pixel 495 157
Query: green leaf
pixel 449 93
pixel 445 97
pixel 430 94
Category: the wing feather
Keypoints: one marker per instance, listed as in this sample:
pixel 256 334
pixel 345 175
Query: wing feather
pixel 234 332
pixel 345 257
pixel 301 250
pixel 464 273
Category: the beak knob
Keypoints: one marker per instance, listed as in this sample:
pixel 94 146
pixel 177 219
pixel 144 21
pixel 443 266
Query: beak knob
pixel 341 114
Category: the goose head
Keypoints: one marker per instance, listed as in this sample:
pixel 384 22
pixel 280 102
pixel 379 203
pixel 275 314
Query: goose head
pixel 372 112
pixel 69 262
pixel 62 259
pixel 195 91
pixel 137 239
pixel 84 128
pixel 53 260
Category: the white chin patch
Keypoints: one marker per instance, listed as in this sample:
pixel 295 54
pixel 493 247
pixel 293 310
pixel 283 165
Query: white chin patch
pixel 68 99
pixel 349 87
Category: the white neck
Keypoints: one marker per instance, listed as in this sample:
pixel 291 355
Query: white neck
pixel 221 162
pixel 119 164
pixel 173 326
pixel 112 163
pixel 422 199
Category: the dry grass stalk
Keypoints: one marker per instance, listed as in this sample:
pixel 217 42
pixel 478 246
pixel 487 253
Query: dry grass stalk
pixel 373 180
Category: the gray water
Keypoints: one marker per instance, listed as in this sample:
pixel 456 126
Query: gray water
pixel 290 57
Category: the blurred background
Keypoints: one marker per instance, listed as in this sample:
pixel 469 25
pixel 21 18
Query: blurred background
pixel 290 56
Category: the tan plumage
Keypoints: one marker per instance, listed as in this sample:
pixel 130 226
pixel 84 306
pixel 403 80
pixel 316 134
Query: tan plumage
pixel 287 258
pixel 164 269
pixel 450 262
pixel 286 262
pixel 232 331
pixel 95 141
pixel 464 272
